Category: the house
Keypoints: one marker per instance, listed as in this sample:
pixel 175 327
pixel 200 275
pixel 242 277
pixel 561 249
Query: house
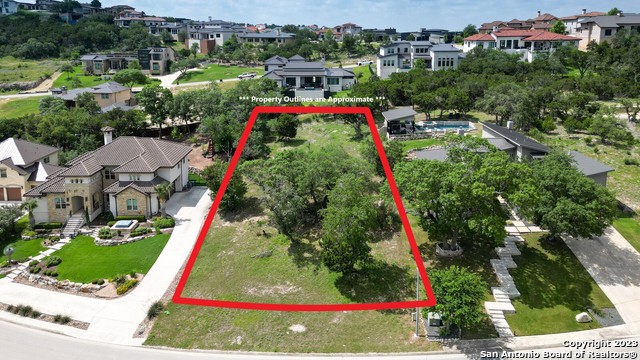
pixel 269 37
pixel 399 121
pixel 306 79
pixel 172 28
pixel 526 43
pixel 572 23
pixel 107 95
pixel 128 17
pixel 349 28
pixel 380 35
pixel 118 177
pixel 23 166
pixel 8 7
pixel 604 28
pixel 400 56
pixel 521 147
pixel 154 61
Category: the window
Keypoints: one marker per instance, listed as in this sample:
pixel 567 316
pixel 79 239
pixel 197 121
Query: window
pixel 156 66
pixel 98 66
pixel 217 35
pixel 109 175
pixel 132 204
pixel 104 96
pixel 333 81
pixel 60 203
pixel 134 177
pixel 607 32
pixel 46 160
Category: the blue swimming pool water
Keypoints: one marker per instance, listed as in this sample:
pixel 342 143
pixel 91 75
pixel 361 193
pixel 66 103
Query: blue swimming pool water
pixel 123 224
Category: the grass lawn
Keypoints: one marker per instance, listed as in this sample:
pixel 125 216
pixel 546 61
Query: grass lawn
pixel 20 70
pixel 24 248
pixel 83 261
pixel 555 287
pixel 630 229
pixel 226 268
pixel 216 72
pixel 364 70
pixel 419 143
pixel 85 80
pixel 199 181
pixel 14 108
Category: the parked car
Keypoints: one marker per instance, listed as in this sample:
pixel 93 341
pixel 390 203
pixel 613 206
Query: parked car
pixel 247 75
pixel 364 62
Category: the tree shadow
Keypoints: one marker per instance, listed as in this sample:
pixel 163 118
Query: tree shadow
pixel 250 207
pixel 294 142
pixel 377 281
pixel 546 282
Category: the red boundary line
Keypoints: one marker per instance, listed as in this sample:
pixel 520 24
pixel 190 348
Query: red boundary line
pixel 431 300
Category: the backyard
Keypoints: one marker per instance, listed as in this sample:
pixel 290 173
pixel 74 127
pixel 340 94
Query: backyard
pixel 214 72
pixel 554 288
pixel 15 108
pixel 69 80
pixel 83 261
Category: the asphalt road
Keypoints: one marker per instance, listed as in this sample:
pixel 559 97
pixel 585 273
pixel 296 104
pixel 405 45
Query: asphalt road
pixel 22 343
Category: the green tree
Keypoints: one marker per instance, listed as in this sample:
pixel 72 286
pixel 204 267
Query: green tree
pixel 51 104
pixel 8 217
pixel 195 48
pixel 29 206
pixel 346 225
pixel 156 102
pixel 567 201
pixel 608 127
pixel 67 69
pixel 166 37
pixel 459 295
pixel 572 57
pixel 96 3
pixel 236 188
pixel 183 65
pixel 393 150
pixel 348 43
pixel 183 35
pixel 285 126
pixel 559 27
pixel 469 30
pixel 613 11
pixel 130 77
pixel 87 102
pixel 163 191
pixel 134 65
pixel 410 37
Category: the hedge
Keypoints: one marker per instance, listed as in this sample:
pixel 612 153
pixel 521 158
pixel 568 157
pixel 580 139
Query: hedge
pixel 126 286
pixel 163 223
pixel 48 226
pixel 140 218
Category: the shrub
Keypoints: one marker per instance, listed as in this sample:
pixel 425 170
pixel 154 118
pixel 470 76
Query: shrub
pixel 61 319
pixel 34 269
pixel 35 314
pixel 11 308
pixel 29 233
pixel 54 273
pixel 164 223
pixel 596 150
pixel 631 161
pixel 24 310
pixel 47 272
pixel 111 223
pixel 155 309
pixel 108 216
pixel 140 218
pixel 588 140
pixel 140 231
pixel 119 280
pixel 33 263
pixel 158 232
pixel 105 233
pixel 126 286
pixel 4 264
pixel 54 239
pixel 52 261
pixel 48 226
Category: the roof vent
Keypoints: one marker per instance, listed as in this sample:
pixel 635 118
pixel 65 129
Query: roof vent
pixel 584 11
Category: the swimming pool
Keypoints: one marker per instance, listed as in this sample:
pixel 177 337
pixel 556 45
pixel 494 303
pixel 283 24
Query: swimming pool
pixel 427 126
pixel 125 225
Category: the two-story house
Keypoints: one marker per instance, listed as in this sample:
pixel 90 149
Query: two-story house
pixel 307 79
pixel 119 176
pixel 604 28
pixel 8 7
pixel 107 95
pixel 23 166
pixel 153 60
pixel 401 56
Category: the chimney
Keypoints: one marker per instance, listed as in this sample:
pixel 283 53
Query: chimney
pixel 620 13
pixel 107 131
pixel 209 18
pixel 510 125
pixel 63 89
pixel 584 11
pixel 539 13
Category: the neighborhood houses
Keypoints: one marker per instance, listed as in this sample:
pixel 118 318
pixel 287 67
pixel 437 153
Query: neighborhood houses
pixel 461 185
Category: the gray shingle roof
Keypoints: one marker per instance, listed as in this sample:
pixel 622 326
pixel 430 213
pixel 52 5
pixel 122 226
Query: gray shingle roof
pixel 267 35
pixel 587 165
pixel 501 144
pixel 42 171
pixel 444 47
pixel 24 152
pixel 276 60
pixel 515 137
pixel 296 58
pixel 339 72
pixel 398 113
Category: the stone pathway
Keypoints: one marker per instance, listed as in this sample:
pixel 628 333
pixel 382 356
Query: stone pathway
pixel 43 254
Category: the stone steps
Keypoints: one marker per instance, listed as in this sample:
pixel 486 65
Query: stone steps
pixel 507 260
pixel 506 308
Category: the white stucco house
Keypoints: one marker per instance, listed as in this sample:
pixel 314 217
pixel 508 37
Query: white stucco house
pixel 401 56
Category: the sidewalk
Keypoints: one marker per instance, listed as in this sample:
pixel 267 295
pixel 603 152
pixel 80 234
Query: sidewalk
pixel 115 321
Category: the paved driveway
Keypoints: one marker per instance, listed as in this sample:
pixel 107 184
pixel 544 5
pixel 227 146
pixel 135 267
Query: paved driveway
pixel 115 321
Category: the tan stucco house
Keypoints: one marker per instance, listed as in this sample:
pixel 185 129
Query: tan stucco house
pixel 119 176
pixel 23 166
pixel 107 95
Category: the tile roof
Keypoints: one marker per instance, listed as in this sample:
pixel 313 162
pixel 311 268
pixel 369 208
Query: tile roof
pixel 24 152
pixel 145 187
pixel 53 186
pixel 549 36
pixel 480 37
pixel 545 17
pixel 444 47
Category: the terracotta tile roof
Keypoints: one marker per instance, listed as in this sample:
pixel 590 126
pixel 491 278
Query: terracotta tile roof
pixel 549 36
pixel 545 17
pixel 480 37
pixel 539 26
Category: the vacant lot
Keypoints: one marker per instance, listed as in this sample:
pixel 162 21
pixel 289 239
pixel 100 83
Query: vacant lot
pixel 83 261
pixel 215 72
pixel 19 70
pixel 555 287
pixel 14 108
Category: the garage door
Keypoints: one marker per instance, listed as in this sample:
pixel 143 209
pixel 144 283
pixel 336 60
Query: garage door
pixel 14 194
pixel 1 194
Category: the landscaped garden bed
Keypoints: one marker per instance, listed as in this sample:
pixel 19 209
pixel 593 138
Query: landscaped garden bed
pixel 29 312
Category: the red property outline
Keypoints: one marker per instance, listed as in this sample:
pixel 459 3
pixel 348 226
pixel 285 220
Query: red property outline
pixel 431 300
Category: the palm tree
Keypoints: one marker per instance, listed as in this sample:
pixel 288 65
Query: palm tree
pixel 163 191
pixel 30 205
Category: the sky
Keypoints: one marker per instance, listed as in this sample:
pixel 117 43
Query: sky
pixel 403 15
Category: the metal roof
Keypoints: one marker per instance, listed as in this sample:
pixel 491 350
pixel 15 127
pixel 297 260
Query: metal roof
pixel 587 165
pixel 24 152
pixel 398 113
pixel 514 137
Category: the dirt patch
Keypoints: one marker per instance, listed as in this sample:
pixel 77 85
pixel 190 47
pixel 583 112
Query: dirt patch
pixel 195 157
pixel 285 289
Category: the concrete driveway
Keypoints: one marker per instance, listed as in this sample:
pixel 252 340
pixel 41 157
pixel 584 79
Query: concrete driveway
pixel 115 321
